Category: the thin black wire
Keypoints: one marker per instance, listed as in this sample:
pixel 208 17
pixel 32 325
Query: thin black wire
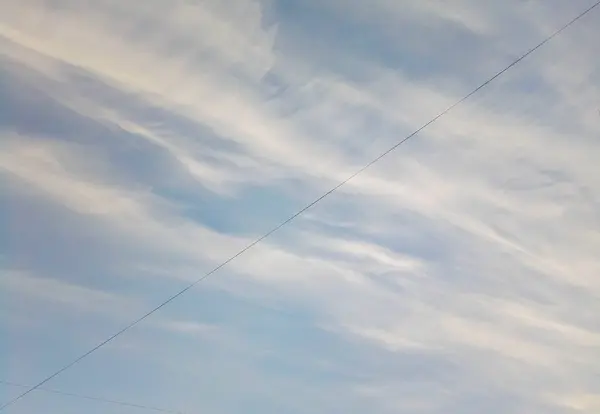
pixel 307 207
pixel 87 397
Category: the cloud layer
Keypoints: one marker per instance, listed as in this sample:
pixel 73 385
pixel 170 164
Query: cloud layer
pixel 141 145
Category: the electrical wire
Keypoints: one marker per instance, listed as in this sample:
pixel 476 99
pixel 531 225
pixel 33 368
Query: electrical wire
pixel 301 211
pixel 99 399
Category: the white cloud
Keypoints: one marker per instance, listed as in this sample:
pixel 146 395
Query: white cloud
pixel 477 242
pixel 39 164
pixel 68 295
pixel 578 402
pixel 44 294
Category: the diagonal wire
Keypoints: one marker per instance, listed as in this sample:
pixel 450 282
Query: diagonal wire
pixel 99 399
pixel 305 208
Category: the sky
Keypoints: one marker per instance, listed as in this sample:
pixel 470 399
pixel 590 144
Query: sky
pixel 144 143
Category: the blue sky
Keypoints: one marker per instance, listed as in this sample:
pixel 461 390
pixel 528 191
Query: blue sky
pixel 142 143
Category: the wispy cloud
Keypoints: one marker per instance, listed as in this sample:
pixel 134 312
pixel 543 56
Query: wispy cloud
pixel 143 144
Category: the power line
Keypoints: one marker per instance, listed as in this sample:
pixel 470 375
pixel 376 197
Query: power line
pixel 87 397
pixel 307 207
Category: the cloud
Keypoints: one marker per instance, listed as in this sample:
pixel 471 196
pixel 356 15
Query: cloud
pixel 69 296
pixel 190 128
